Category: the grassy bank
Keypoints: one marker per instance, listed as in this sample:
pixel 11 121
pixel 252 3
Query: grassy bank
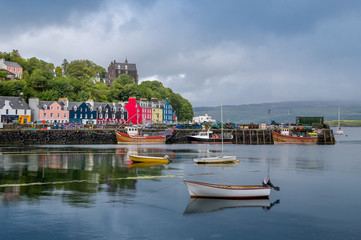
pixel 345 123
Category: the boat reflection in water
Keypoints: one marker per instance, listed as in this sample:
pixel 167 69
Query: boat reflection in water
pixel 232 164
pixel 143 165
pixel 204 205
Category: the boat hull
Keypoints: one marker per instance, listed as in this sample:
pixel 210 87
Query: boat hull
pixel 195 139
pixel 208 190
pixel 218 159
pixel 279 139
pixel 123 138
pixel 146 159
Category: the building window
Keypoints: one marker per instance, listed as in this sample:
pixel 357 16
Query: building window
pixel 75 115
pixel 106 116
pixel 65 115
pixel 86 116
pixel 81 115
pixel 113 116
pixel 51 115
pixel 58 115
pixel 44 115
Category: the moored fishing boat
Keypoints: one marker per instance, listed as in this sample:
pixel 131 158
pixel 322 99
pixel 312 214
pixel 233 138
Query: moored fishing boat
pixel 280 138
pixel 133 137
pixel 209 190
pixel 148 159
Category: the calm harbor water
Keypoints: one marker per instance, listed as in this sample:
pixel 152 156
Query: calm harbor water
pixel 93 192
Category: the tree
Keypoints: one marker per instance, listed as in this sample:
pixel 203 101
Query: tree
pixel 15 54
pixel 58 71
pixel 39 79
pixel 3 75
pixel 63 87
pixel 11 88
pixel 65 64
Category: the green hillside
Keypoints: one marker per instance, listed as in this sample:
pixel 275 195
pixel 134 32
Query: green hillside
pixel 282 111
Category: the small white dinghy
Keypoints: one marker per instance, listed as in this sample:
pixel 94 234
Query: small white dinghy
pixel 209 190
pixel 216 159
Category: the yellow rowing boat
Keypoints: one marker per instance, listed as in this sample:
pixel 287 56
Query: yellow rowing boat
pixel 147 159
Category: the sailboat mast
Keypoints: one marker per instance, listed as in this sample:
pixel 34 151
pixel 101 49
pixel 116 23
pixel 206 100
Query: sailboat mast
pixel 338 124
pixel 222 127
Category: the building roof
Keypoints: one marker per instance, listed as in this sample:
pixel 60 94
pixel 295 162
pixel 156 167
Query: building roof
pixel 12 64
pixel 126 66
pixel 15 102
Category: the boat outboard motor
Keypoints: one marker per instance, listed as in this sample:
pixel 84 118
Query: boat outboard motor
pixel 267 182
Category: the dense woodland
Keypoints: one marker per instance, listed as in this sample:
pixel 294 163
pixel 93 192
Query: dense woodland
pixel 75 80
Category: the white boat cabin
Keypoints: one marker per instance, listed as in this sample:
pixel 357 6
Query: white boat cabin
pixel 285 131
pixel 132 131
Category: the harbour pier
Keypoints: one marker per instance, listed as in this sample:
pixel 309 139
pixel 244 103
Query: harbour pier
pixel 107 136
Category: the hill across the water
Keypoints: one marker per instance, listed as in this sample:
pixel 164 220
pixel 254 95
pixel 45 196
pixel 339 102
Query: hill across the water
pixel 282 111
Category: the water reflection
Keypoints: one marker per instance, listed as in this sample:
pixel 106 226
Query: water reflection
pixel 205 205
pixel 75 174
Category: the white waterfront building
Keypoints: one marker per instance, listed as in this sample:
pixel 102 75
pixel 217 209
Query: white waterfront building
pixel 204 118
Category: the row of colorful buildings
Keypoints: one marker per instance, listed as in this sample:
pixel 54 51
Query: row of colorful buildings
pixel 133 111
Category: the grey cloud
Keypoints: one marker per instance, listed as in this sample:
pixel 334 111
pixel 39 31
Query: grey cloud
pixel 238 51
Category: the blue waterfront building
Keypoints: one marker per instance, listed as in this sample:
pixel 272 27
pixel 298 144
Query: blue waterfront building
pixel 82 113
pixel 167 112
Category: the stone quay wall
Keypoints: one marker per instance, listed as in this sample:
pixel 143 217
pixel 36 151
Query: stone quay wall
pixel 55 136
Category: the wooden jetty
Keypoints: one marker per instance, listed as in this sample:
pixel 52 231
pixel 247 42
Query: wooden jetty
pixel 246 136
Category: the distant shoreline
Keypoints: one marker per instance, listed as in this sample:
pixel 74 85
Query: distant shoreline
pixel 345 123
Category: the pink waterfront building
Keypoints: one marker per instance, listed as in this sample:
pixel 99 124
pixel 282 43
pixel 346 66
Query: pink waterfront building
pixel 50 111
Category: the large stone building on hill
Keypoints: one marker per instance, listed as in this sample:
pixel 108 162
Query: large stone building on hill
pixel 115 69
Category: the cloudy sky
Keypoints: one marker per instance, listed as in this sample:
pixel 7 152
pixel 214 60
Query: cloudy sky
pixel 232 51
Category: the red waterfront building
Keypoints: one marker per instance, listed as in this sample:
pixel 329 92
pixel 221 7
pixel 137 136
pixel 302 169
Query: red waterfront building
pixel 134 111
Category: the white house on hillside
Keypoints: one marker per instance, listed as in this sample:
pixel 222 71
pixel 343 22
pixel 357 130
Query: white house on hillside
pixel 204 118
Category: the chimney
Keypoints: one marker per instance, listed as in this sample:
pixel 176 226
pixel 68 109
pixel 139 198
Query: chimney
pixel 65 101
pixel 91 102
pixel 2 63
pixel 21 95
